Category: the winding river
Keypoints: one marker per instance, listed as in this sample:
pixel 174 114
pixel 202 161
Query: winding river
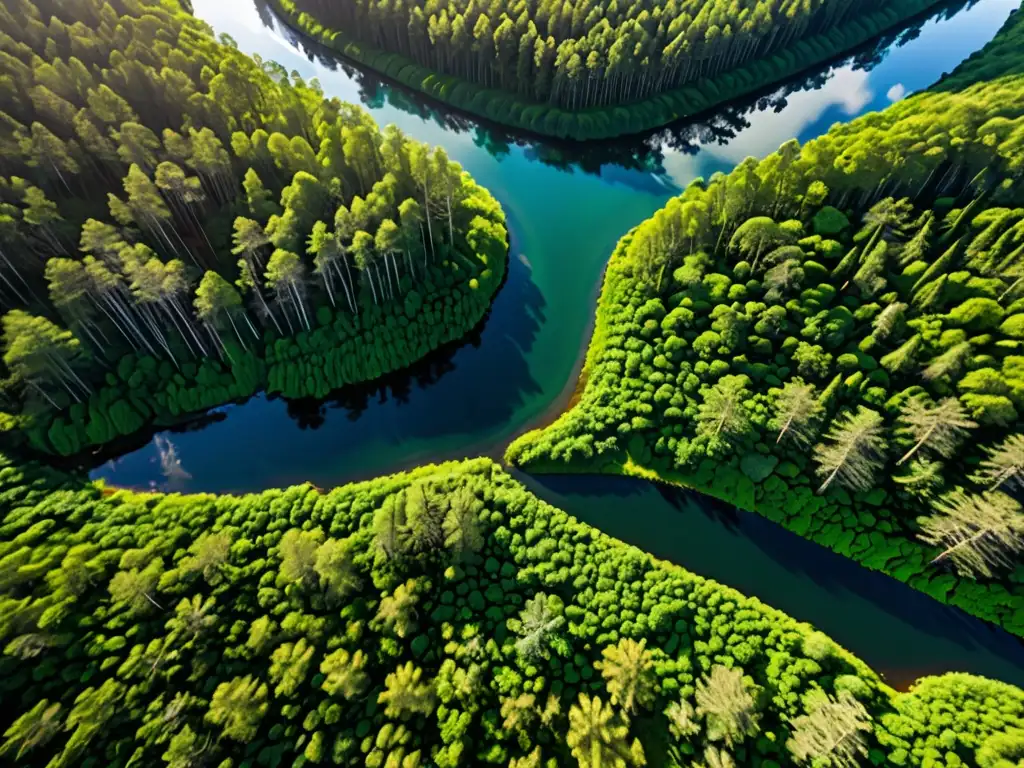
pixel 566 208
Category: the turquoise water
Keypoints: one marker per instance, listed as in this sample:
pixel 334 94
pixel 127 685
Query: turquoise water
pixel 566 208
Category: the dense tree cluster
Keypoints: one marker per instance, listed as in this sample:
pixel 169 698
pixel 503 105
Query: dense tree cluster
pixel 853 370
pixel 442 617
pixel 181 225
pixel 568 69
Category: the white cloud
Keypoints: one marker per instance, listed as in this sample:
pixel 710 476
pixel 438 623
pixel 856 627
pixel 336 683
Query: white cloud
pixel 847 89
pixel 896 93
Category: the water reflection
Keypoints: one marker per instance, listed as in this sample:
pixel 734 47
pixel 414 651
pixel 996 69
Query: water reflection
pixel 842 82
pixel 566 206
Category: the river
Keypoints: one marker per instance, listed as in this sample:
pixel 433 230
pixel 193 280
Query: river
pixel 566 208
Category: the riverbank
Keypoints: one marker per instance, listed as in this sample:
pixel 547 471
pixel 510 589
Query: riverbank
pixel 614 121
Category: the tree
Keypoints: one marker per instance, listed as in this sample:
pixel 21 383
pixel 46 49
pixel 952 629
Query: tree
pixel 726 705
pixel 628 671
pixel 33 729
pixel 286 276
pixel 406 692
pixel 289 664
pixel 781 279
pixel 425 513
pixel 345 673
pixel 722 413
pixel 208 555
pixel 832 733
pixel 298 551
pixel 949 363
pixel 217 299
pixel 389 526
pixel 238 706
pixel 192 618
pixel 599 737
pixel 888 320
pixel 335 566
pixel 854 451
pixel 978 533
pixel 462 529
pixel 38 352
pixel 538 622
pixel 798 411
pixel 93 709
pixel 682 722
pixel 935 428
pixel 1004 464
pixel 186 750
pixel 397 611
pixel 756 236
pixel 135 588
pixel 717 758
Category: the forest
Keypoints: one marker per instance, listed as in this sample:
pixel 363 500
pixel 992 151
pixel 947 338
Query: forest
pixel 832 337
pixel 441 617
pixel 593 70
pixel 182 225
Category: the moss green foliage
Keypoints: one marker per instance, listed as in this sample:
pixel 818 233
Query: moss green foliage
pixel 592 71
pixel 182 226
pixel 296 627
pixel 845 374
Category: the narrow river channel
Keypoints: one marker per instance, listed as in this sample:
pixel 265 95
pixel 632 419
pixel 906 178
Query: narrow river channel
pixel 566 208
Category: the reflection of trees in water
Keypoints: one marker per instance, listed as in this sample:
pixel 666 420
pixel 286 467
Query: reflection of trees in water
pixel 354 399
pixel 642 152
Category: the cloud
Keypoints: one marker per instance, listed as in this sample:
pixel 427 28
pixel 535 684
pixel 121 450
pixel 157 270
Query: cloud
pixel 847 89
pixel 896 93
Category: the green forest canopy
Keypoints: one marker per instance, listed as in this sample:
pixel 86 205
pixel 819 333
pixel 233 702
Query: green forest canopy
pixel 833 336
pixel 441 617
pixel 586 54
pixel 181 225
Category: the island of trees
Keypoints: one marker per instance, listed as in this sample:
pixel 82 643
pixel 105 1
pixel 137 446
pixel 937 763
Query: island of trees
pixel 443 617
pixel 182 225
pixel 592 70
pixel 834 337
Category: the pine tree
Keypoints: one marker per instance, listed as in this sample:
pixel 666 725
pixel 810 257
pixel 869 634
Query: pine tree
pixel 798 411
pixel 345 673
pixel 727 706
pixel 238 706
pixel 33 729
pixel 599 737
pixel 406 692
pixel 832 733
pixel 537 624
pixel 978 533
pixel 462 529
pixel 628 670
pixel 334 564
pixel 722 413
pixel 208 555
pixel 937 428
pixel 854 451
pixel 1004 465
